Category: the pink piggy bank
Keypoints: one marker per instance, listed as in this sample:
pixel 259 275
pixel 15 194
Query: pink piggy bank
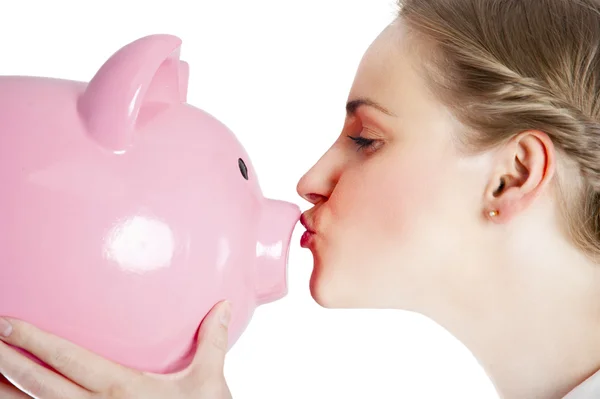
pixel 127 214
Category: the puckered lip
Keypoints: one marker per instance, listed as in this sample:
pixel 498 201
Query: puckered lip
pixel 306 223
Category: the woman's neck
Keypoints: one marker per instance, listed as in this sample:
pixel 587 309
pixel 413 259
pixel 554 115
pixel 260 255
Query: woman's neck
pixel 537 334
pixel 541 354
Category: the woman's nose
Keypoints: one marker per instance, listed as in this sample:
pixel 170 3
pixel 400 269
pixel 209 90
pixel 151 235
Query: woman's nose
pixel 317 184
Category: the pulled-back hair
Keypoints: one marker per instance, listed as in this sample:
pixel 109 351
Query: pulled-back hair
pixel 507 66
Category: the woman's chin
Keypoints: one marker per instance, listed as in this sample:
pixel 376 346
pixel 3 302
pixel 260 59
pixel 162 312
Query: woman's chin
pixel 320 289
pixel 331 293
pixel 341 289
pixel 320 294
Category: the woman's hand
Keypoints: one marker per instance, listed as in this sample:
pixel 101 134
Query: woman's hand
pixel 86 375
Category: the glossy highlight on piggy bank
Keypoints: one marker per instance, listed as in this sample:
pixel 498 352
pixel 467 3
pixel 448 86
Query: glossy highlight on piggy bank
pixel 127 214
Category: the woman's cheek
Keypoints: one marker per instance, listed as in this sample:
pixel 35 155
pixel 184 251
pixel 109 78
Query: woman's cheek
pixel 389 198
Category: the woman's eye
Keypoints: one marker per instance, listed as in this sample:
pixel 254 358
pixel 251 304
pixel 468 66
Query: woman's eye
pixel 363 143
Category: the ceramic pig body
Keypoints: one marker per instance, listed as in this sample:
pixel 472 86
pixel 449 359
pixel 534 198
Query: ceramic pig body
pixel 126 213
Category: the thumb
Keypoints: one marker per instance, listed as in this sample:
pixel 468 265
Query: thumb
pixel 213 339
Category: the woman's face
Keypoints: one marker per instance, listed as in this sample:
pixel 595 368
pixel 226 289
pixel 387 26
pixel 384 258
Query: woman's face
pixel 395 204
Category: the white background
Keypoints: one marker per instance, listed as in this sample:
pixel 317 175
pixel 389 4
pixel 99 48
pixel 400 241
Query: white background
pixel 278 74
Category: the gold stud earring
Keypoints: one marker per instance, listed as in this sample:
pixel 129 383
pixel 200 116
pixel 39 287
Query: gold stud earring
pixel 494 213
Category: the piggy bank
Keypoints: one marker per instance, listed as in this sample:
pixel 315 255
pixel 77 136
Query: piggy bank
pixel 126 214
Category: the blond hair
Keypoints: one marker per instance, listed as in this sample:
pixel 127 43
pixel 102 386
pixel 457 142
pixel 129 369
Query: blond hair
pixel 507 66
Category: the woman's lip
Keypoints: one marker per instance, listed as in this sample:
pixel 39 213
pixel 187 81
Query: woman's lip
pixel 306 239
pixel 305 224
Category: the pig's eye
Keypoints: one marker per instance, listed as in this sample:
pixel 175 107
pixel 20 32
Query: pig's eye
pixel 243 168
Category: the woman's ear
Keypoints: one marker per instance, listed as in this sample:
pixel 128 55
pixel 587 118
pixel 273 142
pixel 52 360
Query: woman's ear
pixel 524 166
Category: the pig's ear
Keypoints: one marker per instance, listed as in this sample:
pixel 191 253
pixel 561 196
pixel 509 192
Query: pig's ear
pixel 145 75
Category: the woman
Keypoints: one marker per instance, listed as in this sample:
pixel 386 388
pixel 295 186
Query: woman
pixel 464 186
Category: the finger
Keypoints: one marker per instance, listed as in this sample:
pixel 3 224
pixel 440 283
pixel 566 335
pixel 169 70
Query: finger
pixel 77 364
pixel 213 338
pixel 36 380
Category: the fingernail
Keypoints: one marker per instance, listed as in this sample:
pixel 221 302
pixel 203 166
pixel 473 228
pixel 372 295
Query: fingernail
pixel 5 328
pixel 226 313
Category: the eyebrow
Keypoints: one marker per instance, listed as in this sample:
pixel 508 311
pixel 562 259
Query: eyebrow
pixel 353 105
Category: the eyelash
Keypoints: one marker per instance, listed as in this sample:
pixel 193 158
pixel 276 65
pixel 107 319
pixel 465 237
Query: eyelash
pixel 363 143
